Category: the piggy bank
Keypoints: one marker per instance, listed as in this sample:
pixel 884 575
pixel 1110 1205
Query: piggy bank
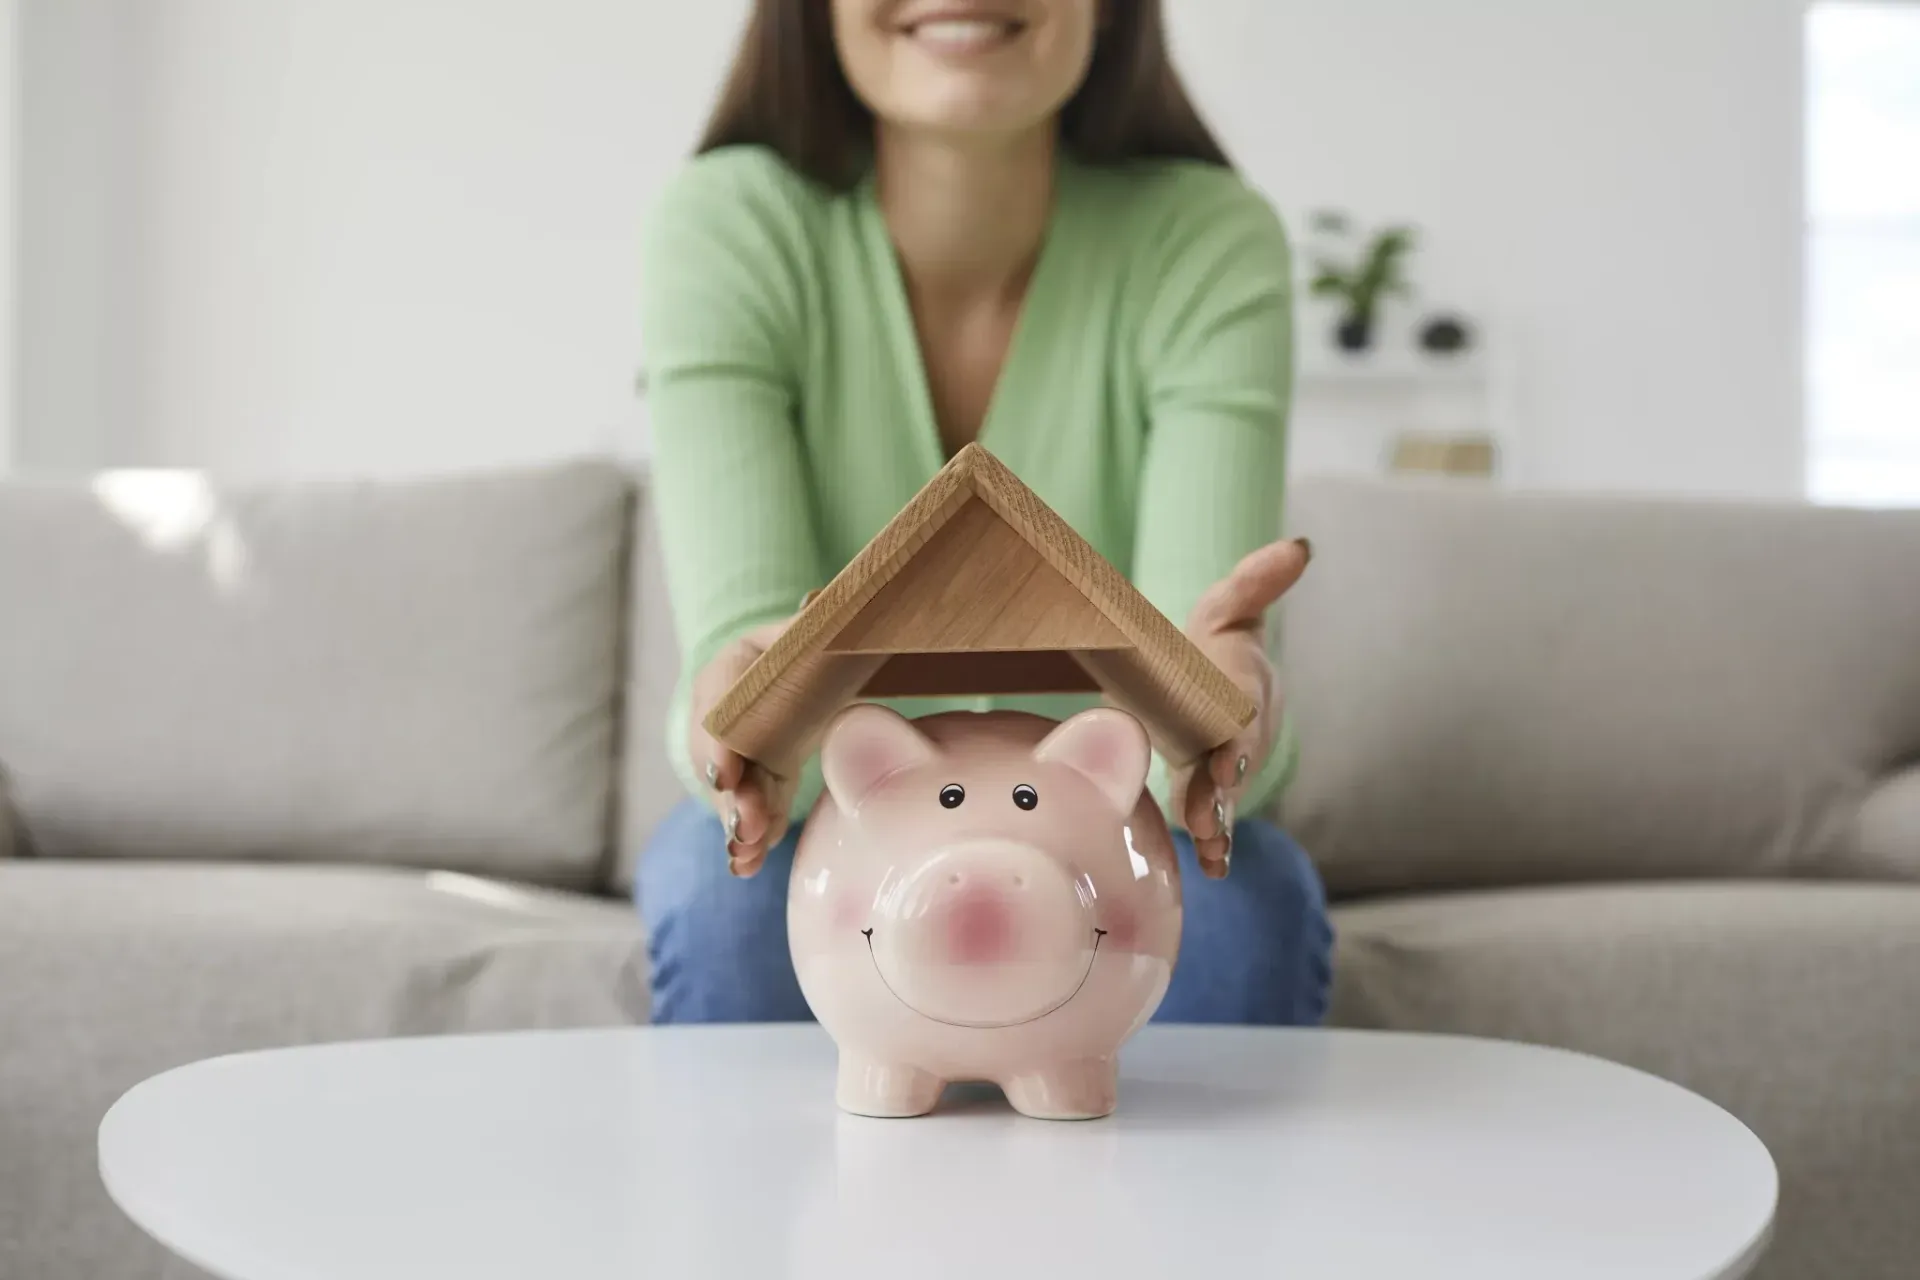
pixel 983 897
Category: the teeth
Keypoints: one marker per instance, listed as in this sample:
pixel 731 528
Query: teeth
pixel 963 33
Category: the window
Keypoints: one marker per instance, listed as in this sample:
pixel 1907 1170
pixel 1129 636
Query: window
pixel 1863 253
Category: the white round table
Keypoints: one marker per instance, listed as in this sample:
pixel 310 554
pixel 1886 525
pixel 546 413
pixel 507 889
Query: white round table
pixel 718 1152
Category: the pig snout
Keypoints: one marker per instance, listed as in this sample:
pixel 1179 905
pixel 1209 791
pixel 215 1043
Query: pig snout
pixel 979 917
pixel 986 935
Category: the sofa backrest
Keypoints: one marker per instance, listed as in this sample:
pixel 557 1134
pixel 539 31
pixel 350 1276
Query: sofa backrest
pixel 1495 688
pixel 419 672
pixel 1489 687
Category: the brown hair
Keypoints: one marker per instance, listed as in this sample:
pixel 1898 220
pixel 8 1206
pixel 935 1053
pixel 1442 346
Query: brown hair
pixel 787 92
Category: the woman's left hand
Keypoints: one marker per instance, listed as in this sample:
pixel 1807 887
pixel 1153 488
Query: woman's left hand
pixel 1229 625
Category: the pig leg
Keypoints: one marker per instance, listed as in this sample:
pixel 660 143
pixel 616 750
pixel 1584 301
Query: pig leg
pixel 870 1087
pixel 1082 1089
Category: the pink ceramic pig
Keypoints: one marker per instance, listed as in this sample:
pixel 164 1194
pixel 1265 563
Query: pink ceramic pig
pixel 983 896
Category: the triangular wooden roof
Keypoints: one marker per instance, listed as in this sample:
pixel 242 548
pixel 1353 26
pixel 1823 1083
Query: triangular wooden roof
pixel 976 588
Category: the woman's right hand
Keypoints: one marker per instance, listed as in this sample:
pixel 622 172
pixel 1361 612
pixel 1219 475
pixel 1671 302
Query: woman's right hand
pixel 752 802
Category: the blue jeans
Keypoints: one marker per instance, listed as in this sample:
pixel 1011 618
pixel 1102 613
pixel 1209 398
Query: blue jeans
pixel 1255 948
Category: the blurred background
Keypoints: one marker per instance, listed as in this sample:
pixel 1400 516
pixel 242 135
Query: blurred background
pixel 1675 244
pixel 1634 772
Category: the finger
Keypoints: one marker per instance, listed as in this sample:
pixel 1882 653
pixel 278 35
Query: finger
pixel 1242 657
pixel 1207 812
pixel 1215 856
pixel 780 809
pixel 776 804
pixel 1176 808
pixel 725 769
pixel 719 764
pixel 722 766
pixel 1190 808
pixel 755 813
pixel 1240 600
pixel 1230 765
pixel 744 858
pixel 758 817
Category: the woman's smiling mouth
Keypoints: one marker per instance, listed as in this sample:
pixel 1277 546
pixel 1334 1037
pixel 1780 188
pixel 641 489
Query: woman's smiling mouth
pixel 963 33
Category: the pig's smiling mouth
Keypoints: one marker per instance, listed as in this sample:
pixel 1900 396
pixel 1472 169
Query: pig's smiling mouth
pixel 1099 935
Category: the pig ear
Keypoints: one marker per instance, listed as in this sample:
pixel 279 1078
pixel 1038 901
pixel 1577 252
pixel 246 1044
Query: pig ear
pixel 1109 747
pixel 865 745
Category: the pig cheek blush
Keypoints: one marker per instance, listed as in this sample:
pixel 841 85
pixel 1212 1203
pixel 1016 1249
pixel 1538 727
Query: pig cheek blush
pixel 1122 929
pixel 850 911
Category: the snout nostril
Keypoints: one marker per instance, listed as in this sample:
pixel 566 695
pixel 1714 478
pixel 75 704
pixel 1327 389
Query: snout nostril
pixel 1019 882
pixel 954 878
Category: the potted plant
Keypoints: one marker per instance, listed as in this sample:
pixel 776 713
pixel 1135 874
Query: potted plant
pixel 1360 287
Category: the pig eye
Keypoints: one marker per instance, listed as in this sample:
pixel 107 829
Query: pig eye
pixel 1025 796
pixel 951 795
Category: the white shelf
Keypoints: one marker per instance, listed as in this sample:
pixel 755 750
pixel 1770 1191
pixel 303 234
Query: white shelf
pixel 1354 412
pixel 1399 371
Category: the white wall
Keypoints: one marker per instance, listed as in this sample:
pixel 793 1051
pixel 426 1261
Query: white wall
pixel 401 233
pixel 78 232
pixel 350 234
pixel 9 223
pixel 1618 182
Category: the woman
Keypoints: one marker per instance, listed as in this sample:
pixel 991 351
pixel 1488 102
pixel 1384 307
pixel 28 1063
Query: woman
pixel 919 223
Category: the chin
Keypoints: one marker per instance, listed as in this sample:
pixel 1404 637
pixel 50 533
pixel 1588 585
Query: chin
pixel 963 115
pixel 983 103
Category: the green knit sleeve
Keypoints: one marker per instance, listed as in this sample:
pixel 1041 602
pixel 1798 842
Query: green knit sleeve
pixel 1217 350
pixel 721 313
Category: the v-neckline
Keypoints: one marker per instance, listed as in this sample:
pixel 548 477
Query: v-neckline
pixel 932 445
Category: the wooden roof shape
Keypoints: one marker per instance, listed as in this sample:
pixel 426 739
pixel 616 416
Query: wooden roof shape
pixel 977 588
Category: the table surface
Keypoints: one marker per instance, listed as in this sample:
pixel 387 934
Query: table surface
pixel 718 1152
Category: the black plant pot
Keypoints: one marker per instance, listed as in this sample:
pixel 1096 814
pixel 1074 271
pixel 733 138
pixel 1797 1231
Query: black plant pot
pixel 1355 333
pixel 1445 335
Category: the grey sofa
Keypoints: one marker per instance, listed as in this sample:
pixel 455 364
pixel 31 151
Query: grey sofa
pixel 307 762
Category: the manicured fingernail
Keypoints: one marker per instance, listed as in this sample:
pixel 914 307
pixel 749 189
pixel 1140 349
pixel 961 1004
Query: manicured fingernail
pixel 733 826
pixel 1219 816
pixel 713 775
pixel 736 867
pixel 1306 545
pixel 1240 769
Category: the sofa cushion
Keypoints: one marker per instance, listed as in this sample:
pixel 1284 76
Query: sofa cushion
pixel 1794 1006
pixel 419 672
pixel 118 971
pixel 1495 687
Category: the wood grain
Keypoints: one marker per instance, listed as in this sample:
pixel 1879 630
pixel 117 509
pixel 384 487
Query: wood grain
pixel 781 702
pixel 977 584
pixel 977 587
pixel 1188 705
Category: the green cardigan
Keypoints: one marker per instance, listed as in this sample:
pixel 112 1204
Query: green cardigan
pixel 1144 398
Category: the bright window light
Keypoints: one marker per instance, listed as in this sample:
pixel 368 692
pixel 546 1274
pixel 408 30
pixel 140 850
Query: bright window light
pixel 1863 253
